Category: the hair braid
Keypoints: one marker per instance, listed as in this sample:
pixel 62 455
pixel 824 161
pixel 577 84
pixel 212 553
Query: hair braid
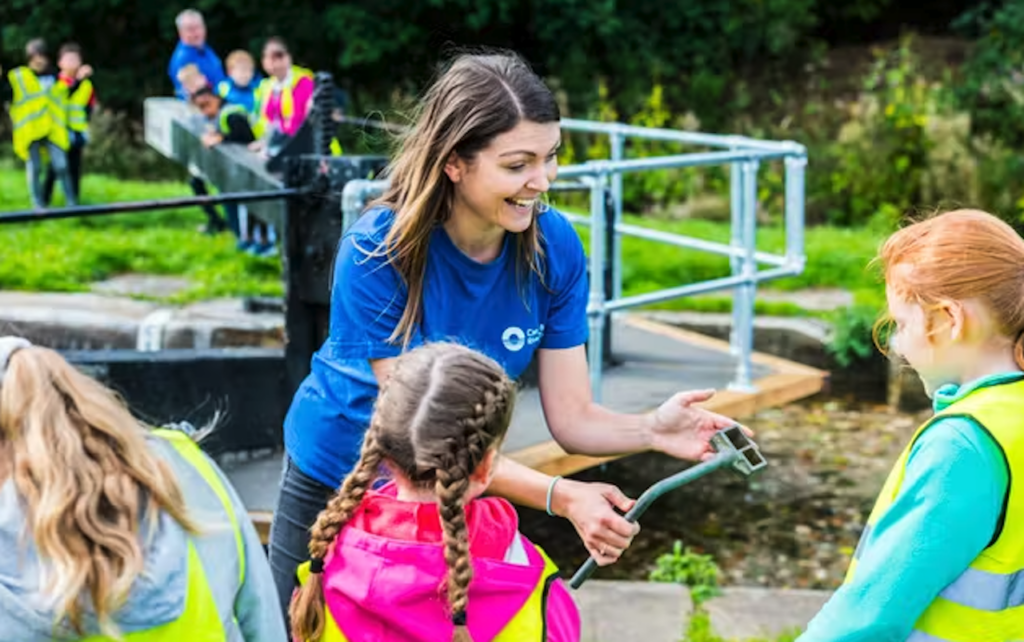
pixel 307 607
pixel 466 452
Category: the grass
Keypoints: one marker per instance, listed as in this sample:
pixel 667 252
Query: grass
pixel 836 258
pixel 70 255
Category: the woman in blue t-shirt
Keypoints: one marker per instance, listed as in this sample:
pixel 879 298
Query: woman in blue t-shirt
pixel 462 248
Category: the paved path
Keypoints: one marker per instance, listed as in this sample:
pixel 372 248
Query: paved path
pixel 614 611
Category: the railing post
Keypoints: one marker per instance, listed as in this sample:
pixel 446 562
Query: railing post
pixel 744 298
pixel 595 308
pixel 795 221
pixel 617 142
pixel 611 267
pixel 736 204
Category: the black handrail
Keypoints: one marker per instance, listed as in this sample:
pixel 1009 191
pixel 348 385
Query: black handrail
pixel 80 211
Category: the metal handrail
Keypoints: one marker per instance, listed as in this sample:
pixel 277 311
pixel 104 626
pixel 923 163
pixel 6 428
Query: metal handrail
pixel 743 155
pixel 153 205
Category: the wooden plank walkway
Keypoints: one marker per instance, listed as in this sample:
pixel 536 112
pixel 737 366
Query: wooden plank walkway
pixel 657 361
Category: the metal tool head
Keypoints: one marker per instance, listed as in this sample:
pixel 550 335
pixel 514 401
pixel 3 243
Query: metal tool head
pixel 732 439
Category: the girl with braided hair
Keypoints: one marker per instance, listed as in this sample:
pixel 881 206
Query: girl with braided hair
pixel 378 557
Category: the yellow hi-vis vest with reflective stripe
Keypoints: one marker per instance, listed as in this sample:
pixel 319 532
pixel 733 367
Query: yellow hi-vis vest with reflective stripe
pixel 36 114
pixel 77 103
pixel 201 620
pixel 986 603
pixel 528 624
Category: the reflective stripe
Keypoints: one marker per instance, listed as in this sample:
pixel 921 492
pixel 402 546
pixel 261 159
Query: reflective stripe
pixel 921 636
pixel 39 113
pixel 226 113
pixel 19 75
pixel 986 591
pixel 976 589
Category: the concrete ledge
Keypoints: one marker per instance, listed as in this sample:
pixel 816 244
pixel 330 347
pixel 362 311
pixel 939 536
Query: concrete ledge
pixel 657 612
pixel 87 321
pixel 615 611
pixel 748 612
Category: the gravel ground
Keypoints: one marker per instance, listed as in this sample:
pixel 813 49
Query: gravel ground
pixel 794 524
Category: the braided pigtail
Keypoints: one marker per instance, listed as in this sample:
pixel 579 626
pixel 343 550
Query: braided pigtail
pixel 307 607
pixel 451 488
pixel 465 454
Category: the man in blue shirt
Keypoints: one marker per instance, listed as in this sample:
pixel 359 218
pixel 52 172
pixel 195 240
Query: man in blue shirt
pixel 193 50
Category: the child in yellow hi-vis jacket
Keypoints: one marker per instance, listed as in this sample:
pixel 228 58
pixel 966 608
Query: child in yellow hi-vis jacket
pixel 39 119
pixel 942 555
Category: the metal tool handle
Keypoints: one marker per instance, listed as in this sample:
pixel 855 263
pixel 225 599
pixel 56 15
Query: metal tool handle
pixel 720 460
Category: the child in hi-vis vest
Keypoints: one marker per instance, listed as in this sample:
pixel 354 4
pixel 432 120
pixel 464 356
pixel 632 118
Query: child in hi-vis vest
pixel 425 558
pixel 111 530
pixel 942 555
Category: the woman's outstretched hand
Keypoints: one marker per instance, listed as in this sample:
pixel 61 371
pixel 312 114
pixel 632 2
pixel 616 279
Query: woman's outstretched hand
pixel 684 431
pixel 591 509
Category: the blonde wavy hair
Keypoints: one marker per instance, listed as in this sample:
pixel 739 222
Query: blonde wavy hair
pixel 80 463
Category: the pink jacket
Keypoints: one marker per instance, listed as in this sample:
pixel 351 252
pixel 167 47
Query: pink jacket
pixel 381 588
pixel 301 96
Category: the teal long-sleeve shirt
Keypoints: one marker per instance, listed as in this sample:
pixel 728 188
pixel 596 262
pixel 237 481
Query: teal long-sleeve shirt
pixel 944 515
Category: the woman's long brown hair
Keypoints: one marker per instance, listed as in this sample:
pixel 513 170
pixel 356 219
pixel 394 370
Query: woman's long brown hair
pixel 475 100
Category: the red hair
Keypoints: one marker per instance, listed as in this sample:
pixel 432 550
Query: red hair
pixel 960 255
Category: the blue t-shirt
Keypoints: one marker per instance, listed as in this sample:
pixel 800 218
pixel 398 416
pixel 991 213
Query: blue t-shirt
pixel 480 305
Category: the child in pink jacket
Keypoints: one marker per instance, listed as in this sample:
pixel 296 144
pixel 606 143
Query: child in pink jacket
pixel 425 557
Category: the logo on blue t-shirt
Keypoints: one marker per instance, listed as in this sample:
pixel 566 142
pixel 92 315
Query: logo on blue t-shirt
pixel 513 338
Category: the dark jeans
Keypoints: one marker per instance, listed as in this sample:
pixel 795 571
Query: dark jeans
pixel 214 222
pixel 298 505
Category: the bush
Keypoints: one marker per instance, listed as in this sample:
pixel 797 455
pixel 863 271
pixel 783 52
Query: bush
pixel 992 86
pixel 117 147
pixel 694 570
pixel 880 154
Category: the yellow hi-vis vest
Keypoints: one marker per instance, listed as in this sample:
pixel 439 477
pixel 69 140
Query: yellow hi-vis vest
pixel 77 103
pixel 200 621
pixel 986 603
pixel 36 114
pixel 528 624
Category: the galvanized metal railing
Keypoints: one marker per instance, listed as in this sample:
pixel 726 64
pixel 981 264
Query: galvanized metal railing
pixel 601 177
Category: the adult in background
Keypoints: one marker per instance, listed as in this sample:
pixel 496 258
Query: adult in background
pixel 461 247
pixel 192 49
pixel 196 59
pixel 283 98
